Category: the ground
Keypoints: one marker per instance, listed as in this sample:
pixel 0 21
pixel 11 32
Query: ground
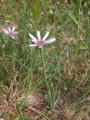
pixel 52 82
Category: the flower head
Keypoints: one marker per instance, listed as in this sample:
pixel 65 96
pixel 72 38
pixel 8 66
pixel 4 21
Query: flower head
pixel 10 31
pixel 40 42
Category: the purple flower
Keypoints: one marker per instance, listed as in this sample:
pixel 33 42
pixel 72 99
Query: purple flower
pixel 40 42
pixel 10 31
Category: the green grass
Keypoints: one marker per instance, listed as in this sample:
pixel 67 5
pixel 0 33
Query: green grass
pixel 60 72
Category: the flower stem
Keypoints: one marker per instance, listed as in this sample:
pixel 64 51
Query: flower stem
pixel 44 69
pixel 46 81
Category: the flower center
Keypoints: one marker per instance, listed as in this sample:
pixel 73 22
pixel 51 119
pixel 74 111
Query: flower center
pixel 40 43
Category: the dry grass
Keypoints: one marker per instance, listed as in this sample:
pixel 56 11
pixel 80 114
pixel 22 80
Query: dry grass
pixel 23 92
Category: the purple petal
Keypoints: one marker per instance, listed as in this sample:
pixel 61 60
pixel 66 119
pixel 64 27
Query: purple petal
pixel 13 29
pixel 9 29
pixel 15 32
pixel 33 38
pixel 46 35
pixel 32 45
pixel 50 40
pixel 38 35
pixel 40 46
pixel 5 31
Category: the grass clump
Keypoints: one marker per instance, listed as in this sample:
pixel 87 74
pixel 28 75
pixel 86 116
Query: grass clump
pixel 55 77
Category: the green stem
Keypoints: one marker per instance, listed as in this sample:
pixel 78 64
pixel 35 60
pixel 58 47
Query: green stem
pixel 46 81
pixel 59 76
pixel 44 69
pixel 78 27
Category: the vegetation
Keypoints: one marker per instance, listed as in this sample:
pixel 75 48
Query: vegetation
pixel 52 82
